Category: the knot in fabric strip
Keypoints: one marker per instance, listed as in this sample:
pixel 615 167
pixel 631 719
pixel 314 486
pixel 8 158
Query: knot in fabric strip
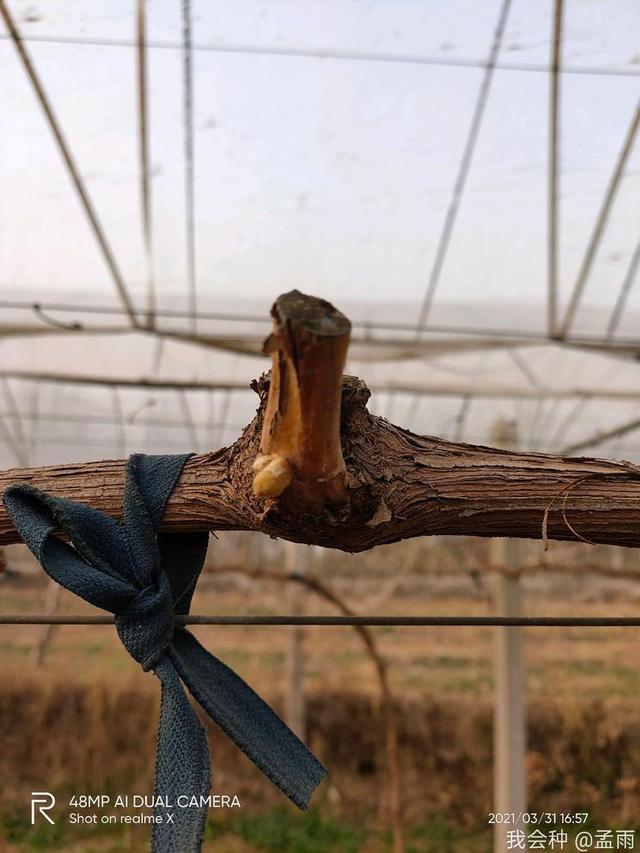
pixel 146 578
pixel 146 625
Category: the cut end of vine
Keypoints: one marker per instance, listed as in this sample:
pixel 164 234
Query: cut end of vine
pixel 300 443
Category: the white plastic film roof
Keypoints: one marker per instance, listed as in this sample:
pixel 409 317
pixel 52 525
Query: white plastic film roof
pixel 327 141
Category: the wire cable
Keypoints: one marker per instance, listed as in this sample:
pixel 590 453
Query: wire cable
pixel 331 54
pixel 145 180
pixel 189 166
pixel 51 321
pixel 189 423
pixel 602 436
pixel 65 151
pixel 601 223
pixel 524 335
pixel 554 149
pixel 106 420
pixel 384 386
pixel 627 284
pixel 463 170
pixel 338 621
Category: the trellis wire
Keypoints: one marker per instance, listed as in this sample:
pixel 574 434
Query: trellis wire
pixel 553 215
pixel 337 621
pixel 463 170
pixel 524 335
pixel 189 168
pixel 72 168
pixel 143 150
pixel 324 54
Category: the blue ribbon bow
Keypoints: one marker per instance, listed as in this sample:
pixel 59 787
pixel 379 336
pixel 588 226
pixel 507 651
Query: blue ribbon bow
pixel 146 578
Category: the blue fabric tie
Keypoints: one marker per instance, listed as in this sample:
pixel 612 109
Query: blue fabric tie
pixel 146 578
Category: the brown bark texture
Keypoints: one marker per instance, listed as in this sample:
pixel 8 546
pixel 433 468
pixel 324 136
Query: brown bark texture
pixel 399 485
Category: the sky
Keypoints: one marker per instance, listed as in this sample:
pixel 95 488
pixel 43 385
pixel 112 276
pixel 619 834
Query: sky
pixel 328 175
pixel 331 175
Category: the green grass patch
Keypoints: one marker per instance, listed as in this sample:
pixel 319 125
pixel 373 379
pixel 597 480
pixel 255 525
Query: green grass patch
pixel 16 828
pixel 447 662
pixel 237 658
pixel 274 661
pixel 281 830
pixel 437 836
pixel 350 656
pixel 93 649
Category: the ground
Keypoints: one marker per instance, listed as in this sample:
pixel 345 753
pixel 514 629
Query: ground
pixel 86 718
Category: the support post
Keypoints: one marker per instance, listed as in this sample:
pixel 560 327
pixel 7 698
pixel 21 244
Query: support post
pixel 296 562
pixel 509 704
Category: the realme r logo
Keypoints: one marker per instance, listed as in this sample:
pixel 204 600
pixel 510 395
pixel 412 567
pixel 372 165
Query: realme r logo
pixel 44 803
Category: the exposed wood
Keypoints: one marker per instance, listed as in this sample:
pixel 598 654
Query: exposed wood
pixel 401 485
pixel 300 444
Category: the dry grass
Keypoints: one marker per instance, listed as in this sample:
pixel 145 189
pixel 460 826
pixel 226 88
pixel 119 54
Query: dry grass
pixel 72 735
pixel 87 719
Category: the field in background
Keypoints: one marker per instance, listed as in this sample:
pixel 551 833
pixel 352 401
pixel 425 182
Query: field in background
pixel 86 719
